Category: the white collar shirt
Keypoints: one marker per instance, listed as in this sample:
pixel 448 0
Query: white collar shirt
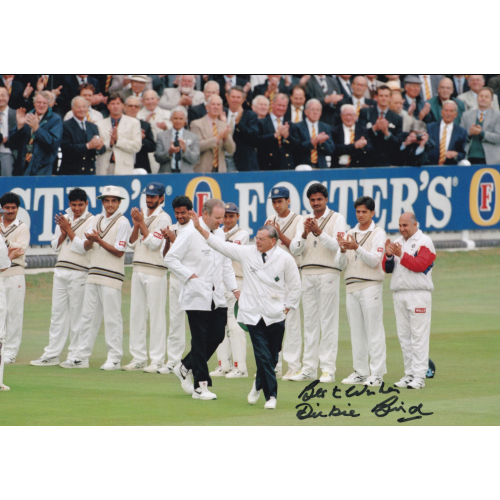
pixel 449 131
pixel 4 129
pixel 4 255
pixel 344 159
pixel 355 101
pixel 346 89
pixel 310 126
pixel 267 288
pixel 275 119
pixel 232 80
pixel 294 111
pixel 81 81
pixel 123 233
pixel 422 79
pixel 322 83
pixel 190 254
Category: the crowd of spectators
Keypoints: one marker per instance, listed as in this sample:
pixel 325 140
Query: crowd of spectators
pixel 126 124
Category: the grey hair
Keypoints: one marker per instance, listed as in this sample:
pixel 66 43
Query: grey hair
pixel 210 204
pixel 413 219
pixel 45 94
pixel 273 233
pixel 213 95
pixel 182 109
pixel 419 126
pixel 258 97
pixel 347 107
pixel 214 83
pixel 449 101
pixel 77 98
pixel 132 97
pixel 150 92
pixel 313 101
pixel 282 96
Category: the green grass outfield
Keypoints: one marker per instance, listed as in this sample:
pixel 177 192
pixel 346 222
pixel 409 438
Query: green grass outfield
pixel 465 345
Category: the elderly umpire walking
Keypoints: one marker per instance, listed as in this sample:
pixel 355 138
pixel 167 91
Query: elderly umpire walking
pixel 271 288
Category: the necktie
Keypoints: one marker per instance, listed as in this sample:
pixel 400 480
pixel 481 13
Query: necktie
pixel 352 142
pixel 442 148
pixel 177 156
pixel 373 91
pixel 271 98
pixel 296 119
pixel 460 86
pixel 29 155
pixel 153 116
pixel 314 152
pixel 481 117
pixel 88 117
pixel 264 255
pixel 279 136
pixel 382 114
pixel 108 82
pixel 324 85
pixel 8 86
pixel 358 107
pixel 215 164
pixel 82 124
pixel 427 88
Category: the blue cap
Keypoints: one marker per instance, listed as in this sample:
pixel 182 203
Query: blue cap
pixel 280 192
pixel 232 208
pixel 155 189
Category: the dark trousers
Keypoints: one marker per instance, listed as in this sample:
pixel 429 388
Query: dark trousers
pixel 477 161
pixel 207 332
pixel 266 341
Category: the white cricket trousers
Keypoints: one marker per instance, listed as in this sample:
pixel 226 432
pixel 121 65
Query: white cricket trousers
pixel 99 301
pixel 320 302
pixel 68 292
pixel 413 322
pixel 15 290
pixel 176 341
pixel 365 312
pixel 148 298
pixel 3 313
pixel 235 341
pixel 292 345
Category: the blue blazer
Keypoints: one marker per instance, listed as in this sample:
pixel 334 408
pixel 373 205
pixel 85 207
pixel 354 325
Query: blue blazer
pixel 457 143
pixel 303 156
pixel 245 136
pixel 47 140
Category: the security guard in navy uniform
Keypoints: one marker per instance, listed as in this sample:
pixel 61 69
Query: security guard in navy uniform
pixel 80 142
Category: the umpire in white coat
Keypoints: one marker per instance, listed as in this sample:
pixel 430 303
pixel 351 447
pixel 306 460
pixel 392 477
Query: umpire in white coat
pixel 270 289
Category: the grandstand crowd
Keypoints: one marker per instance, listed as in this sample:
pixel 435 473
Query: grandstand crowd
pixel 138 124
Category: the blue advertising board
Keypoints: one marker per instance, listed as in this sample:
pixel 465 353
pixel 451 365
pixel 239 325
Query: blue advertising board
pixel 443 198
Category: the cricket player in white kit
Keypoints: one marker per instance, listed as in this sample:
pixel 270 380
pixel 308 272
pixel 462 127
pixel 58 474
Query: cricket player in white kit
pixel 12 279
pixel 285 222
pixel 234 345
pixel 361 254
pixel 70 275
pixel 103 291
pixel 176 341
pixel 410 260
pixel 7 255
pixel 149 283
pixel 316 241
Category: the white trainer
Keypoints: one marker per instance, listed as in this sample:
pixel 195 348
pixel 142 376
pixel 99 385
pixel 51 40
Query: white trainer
pixel 9 361
pixel 74 363
pixel 219 372
pixel 185 377
pixel 354 379
pixel 55 361
pixel 203 393
pixel 290 373
pixel 4 387
pixel 373 381
pixel 254 394
pixel 417 383
pixel 135 366
pixel 237 374
pixel 327 378
pixel 152 368
pixel 165 370
pixel 111 365
pixel 270 404
pixel 404 381
pixel 300 377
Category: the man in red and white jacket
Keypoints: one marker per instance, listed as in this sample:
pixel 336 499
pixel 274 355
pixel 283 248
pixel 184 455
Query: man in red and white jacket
pixel 410 260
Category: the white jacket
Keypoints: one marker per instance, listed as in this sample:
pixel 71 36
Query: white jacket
pixel 267 288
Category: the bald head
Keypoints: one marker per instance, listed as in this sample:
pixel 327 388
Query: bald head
pixel 445 89
pixel 408 225
pixel 359 86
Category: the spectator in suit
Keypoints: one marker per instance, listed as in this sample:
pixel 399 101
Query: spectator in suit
pixel 122 137
pixel 278 140
pixel 483 128
pixel 132 108
pixel 415 149
pixel 460 85
pixel 429 86
pixel 494 84
pixel 7 122
pixel 413 103
pixel 226 82
pixel 87 91
pixel 469 98
pixel 329 94
pixel 177 149
pixel 351 139
pixel 357 99
pixel 80 142
pixel 315 142
pixel 384 128
pixel 184 95
pixel 245 131
pixel 446 137
pixel 200 110
pixel 431 111
pixel 71 88
pixel 37 136
pixel 137 88
pixel 19 96
pixel 295 111
pixel 372 84
pixel 396 105
pixel 344 84
pixel 274 85
pixel 260 106
pixel 215 138
pixel 52 83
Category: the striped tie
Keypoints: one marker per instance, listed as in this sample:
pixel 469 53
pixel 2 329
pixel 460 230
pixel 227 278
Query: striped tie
pixel 108 82
pixel 427 88
pixel 271 98
pixel 352 142
pixel 215 164
pixel 314 152
pixel 29 155
pixel 358 108
pixel 442 148
pixel 9 89
pixel 481 117
pixel 279 136
pixel 296 120
pixel 88 117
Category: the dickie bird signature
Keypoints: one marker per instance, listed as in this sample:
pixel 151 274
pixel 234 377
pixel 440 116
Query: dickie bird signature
pixel 306 410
